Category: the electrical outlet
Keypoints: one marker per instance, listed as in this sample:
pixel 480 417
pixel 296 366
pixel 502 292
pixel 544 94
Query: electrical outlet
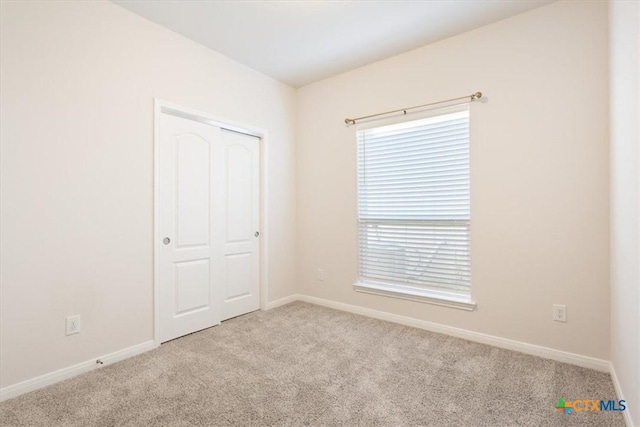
pixel 559 313
pixel 320 275
pixel 73 324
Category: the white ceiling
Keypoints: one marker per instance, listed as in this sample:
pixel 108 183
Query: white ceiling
pixel 299 42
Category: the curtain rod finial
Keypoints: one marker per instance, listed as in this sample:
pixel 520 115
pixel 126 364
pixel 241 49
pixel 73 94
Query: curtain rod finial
pixel 350 121
pixel 476 95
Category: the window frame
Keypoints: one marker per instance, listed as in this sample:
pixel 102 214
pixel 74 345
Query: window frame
pixel 439 297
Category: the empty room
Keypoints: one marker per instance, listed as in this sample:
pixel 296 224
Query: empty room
pixel 320 213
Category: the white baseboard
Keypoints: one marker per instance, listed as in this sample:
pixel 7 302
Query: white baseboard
pixel 532 349
pixel 72 371
pixel 616 385
pixel 282 301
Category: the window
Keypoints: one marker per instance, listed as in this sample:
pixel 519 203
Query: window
pixel 413 209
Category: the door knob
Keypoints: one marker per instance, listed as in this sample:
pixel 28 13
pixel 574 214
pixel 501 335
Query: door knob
pixel 166 240
pixel 257 233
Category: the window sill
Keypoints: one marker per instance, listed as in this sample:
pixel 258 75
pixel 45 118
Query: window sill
pixel 446 299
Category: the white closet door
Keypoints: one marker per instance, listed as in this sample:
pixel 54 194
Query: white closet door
pixel 236 224
pixel 208 218
pixel 189 298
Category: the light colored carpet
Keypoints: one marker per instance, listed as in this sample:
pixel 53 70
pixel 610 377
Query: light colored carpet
pixel 302 364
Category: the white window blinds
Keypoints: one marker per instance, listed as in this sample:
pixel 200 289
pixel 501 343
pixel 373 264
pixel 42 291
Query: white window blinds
pixel 413 203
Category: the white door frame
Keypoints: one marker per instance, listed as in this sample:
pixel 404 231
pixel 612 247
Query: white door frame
pixel 164 107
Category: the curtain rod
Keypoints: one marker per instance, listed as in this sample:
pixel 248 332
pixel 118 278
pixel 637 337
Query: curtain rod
pixel 471 97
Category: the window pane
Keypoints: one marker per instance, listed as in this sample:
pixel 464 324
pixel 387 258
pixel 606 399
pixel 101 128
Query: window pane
pixel 413 203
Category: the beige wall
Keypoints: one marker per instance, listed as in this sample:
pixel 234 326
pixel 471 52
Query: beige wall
pixel 625 199
pixel 78 82
pixel 539 173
